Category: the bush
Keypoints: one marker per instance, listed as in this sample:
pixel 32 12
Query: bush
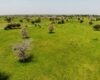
pixel 33 22
pixel 61 21
pixel 21 52
pixel 37 25
pixel 52 18
pixel 8 19
pixel 81 21
pixel 28 18
pixel 51 29
pixel 96 27
pixel 90 22
pixel 79 18
pixel 12 26
pixel 98 19
pixel 24 33
pixel 21 21
pixel 38 20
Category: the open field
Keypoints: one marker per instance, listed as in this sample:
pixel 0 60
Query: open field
pixel 72 52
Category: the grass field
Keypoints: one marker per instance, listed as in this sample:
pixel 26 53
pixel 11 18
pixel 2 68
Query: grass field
pixel 71 53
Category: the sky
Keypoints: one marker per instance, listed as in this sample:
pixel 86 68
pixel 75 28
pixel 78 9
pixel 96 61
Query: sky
pixel 11 7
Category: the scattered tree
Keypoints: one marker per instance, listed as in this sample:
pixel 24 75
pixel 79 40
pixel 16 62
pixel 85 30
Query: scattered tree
pixel 21 21
pixel 81 21
pixel 24 33
pixel 21 51
pixel 51 28
pixel 8 19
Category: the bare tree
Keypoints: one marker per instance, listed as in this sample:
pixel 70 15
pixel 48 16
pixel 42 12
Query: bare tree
pixel 21 50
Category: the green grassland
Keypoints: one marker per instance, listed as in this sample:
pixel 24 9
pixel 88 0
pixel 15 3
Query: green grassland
pixel 71 53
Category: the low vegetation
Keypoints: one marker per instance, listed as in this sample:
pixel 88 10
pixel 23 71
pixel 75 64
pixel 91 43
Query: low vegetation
pixel 72 52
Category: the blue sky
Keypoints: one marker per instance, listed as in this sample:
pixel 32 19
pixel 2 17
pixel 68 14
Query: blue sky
pixel 49 7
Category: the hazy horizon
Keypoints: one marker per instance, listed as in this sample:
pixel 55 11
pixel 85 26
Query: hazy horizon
pixel 52 7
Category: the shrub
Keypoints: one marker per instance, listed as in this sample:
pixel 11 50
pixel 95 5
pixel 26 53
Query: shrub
pixel 79 18
pixel 28 18
pixel 37 25
pixel 90 22
pixel 98 19
pixel 93 19
pixel 38 20
pixel 62 21
pixel 8 19
pixel 12 26
pixel 52 18
pixel 21 21
pixel 21 52
pixel 24 33
pixel 96 27
pixel 32 22
pixel 81 21
pixel 51 28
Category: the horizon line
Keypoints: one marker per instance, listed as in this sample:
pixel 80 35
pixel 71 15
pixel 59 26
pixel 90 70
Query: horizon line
pixel 43 14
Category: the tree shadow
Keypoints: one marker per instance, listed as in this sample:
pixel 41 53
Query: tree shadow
pixel 26 37
pixel 4 76
pixel 27 60
pixel 51 32
pixel 95 39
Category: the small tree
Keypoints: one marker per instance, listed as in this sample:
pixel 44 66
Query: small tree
pixel 51 28
pixel 21 52
pixel 21 21
pixel 81 21
pixel 8 19
pixel 24 33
